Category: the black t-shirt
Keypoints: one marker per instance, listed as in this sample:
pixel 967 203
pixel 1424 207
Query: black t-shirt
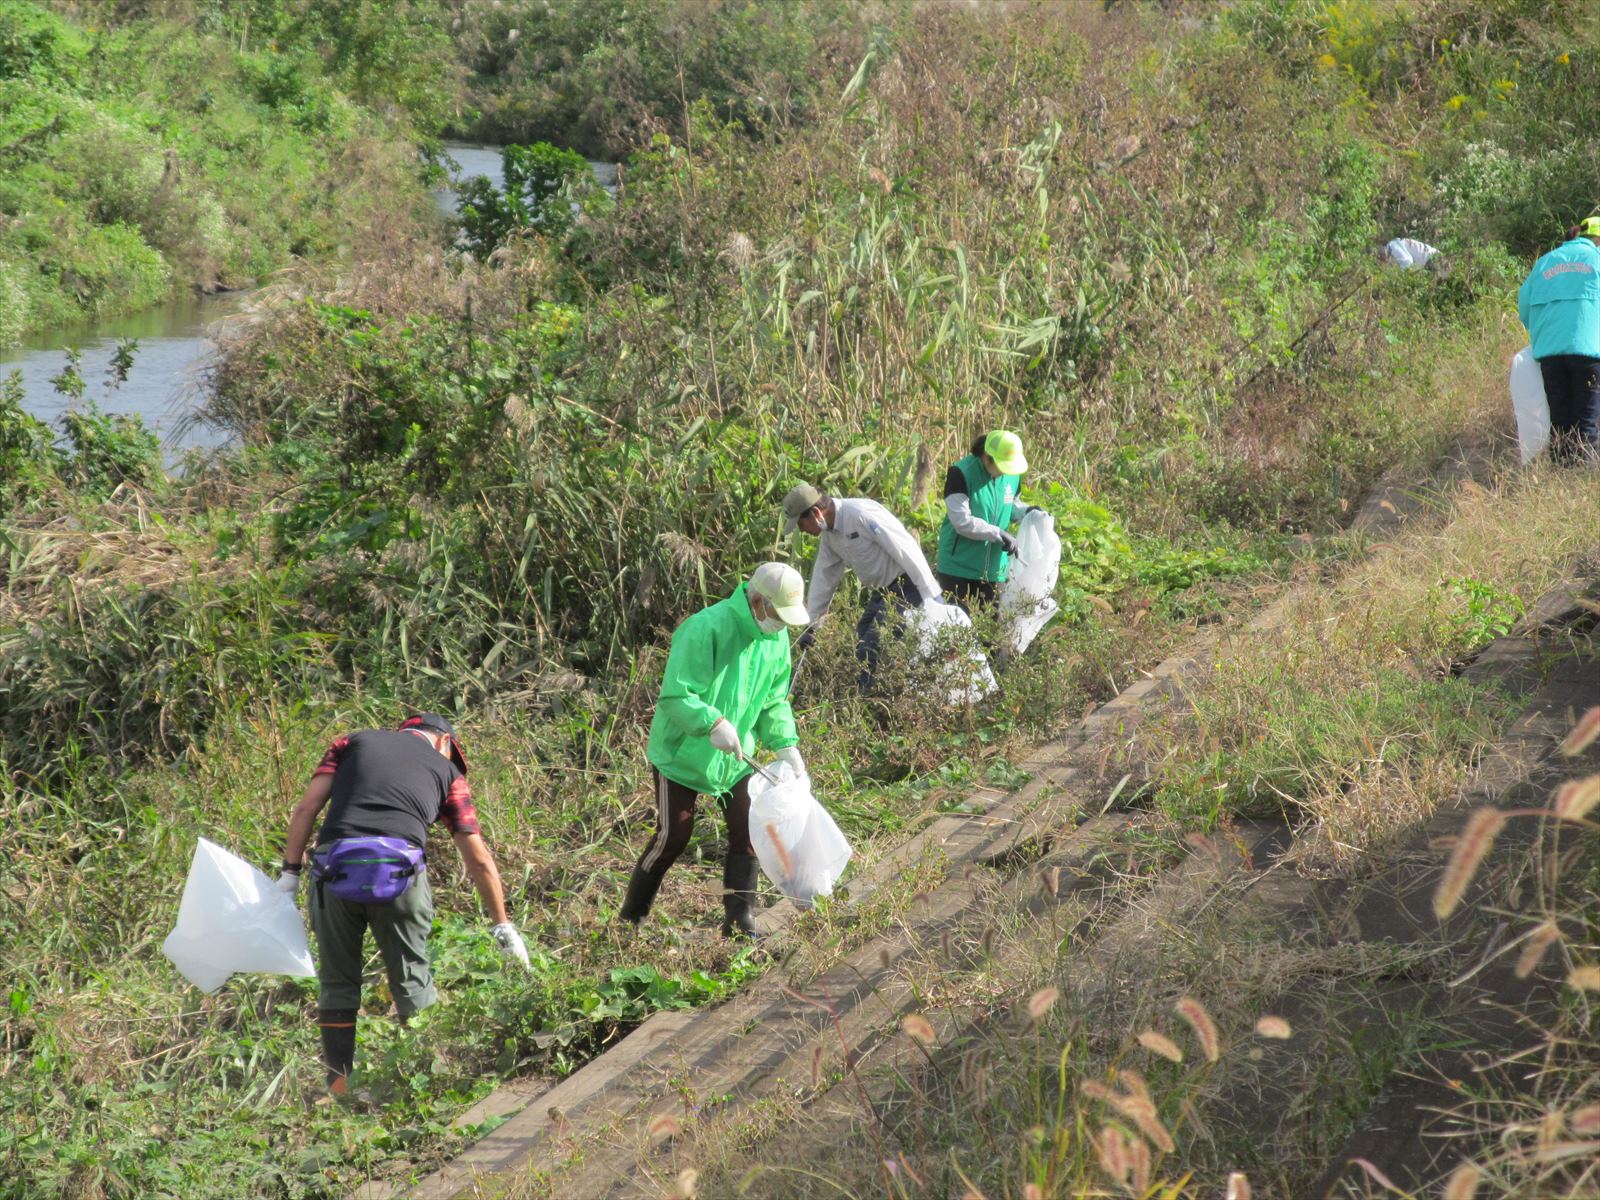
pixel 389 783
pixel 955 483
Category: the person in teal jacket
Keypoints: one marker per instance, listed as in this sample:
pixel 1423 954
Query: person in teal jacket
pixel 981 504
pixel 1559 303
pixel 726 688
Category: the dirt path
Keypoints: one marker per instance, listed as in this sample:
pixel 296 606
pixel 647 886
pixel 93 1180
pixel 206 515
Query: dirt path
pixel 626 1123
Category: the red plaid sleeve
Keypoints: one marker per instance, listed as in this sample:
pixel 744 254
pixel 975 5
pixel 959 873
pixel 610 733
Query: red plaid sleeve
pixel 330 760
pixel 458 812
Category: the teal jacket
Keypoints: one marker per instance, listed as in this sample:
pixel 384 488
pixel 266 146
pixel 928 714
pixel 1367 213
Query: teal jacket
pixel 1559 302
pixel 721 665
pixel 992 500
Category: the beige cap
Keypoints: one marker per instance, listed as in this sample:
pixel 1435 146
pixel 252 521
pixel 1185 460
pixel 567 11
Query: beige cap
pixel 802 498
pixel 780 585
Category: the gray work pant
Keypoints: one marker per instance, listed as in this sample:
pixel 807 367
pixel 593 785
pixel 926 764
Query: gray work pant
pixel 400 928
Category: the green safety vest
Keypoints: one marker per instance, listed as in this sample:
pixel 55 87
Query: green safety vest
pixel 721 665
pixel 991 501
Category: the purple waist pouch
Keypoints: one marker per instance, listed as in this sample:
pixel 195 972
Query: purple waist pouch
pixel 367 870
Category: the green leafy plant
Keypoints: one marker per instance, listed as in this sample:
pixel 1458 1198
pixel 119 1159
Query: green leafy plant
pixel 543 184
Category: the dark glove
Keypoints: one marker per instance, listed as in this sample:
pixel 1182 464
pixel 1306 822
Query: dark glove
pixel 1007 542
pixel 803 642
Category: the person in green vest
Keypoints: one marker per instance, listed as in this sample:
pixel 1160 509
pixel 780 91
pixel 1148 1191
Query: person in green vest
pixel 726 688
pixel 981 503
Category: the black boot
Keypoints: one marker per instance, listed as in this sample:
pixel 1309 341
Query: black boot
pixel 338 1027
pixel 642 890
pixel 739 896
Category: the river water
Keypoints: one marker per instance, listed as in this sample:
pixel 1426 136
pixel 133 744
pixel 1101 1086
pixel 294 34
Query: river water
pixel 176 342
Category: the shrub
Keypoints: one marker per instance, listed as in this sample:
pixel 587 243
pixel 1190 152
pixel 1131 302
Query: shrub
pixel 108 449
pixel 542 186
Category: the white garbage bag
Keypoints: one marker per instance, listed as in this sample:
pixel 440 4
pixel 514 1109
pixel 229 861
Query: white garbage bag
pixel 944 639
pixel 232 918
pixel 1528 405
pixel 799 846
pixel 1026 600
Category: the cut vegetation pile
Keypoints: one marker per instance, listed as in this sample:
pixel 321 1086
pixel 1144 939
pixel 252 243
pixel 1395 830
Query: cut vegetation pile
pixel 491 486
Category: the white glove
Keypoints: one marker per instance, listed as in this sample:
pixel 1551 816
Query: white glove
pixel 288 883
pixel 791 755
pixel 510 942
pixel 725 737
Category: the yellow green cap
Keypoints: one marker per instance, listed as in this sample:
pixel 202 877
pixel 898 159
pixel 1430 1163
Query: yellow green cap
pixel 1589 226
pixel 1005 448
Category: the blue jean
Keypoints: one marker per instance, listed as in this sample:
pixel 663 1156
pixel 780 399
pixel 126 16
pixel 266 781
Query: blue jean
pixel 1572 388
pixel 899 596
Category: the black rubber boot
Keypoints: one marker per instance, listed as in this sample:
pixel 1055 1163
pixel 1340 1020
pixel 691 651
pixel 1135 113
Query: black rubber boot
pixel 739 896
pixel 642 890
pixel 338 1027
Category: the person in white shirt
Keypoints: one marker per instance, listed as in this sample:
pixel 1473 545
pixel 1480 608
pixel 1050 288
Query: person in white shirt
pixel 1407 253
pixel 865 537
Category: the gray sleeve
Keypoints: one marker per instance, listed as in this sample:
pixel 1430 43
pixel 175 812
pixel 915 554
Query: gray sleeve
pixel 959 506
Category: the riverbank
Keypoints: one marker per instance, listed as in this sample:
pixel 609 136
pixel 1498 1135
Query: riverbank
pixel 152 160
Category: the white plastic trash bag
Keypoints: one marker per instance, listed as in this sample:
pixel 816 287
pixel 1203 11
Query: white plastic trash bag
pixel 232 918
pixel 944 639
pixel 1026 600
pixel 798 844
pixel 1528 405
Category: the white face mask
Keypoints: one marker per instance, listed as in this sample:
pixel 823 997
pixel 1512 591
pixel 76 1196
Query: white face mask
pixel 822 522
pixel 769 623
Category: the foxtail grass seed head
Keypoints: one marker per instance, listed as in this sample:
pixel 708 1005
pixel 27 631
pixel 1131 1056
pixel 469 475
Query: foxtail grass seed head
pixel 1585 979
pixel 1143 1114
pixel 1114 1157
pixel 1463 1182
pixel 1050 881
pixel 1141 1166
pixel 1274 1027
pixel 1533 950
pixel 1205 1030
pixel 1482 827
pixel 1576 797
pixel 1238 1186
pixel 1584 732
pixel 1032 1191
pixel 1158 1043
pixel 664 1127
pixel 687 1186
pixel 1585 1121
pixel 917 1028
pixel 1133 1083
pixel 1039 1003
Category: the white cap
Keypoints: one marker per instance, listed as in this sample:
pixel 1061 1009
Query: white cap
pixel 780 585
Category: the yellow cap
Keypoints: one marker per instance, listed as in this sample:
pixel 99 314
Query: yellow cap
pixel 1589 227
pixel 1005 448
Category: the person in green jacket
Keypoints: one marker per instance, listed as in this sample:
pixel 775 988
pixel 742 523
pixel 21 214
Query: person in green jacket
pixel 1559 303
pixel 981 504
pixel 726 688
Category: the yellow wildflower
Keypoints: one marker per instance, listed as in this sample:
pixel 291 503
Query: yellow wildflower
pixel 1455 101
pixel 1563 58
pixel 1328 60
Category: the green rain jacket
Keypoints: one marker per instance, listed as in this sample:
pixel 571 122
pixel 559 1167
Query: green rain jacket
pixel 721 665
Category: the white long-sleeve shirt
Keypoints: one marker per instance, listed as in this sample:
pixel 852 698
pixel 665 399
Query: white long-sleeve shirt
pixel 1409 252
pixel 869 540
